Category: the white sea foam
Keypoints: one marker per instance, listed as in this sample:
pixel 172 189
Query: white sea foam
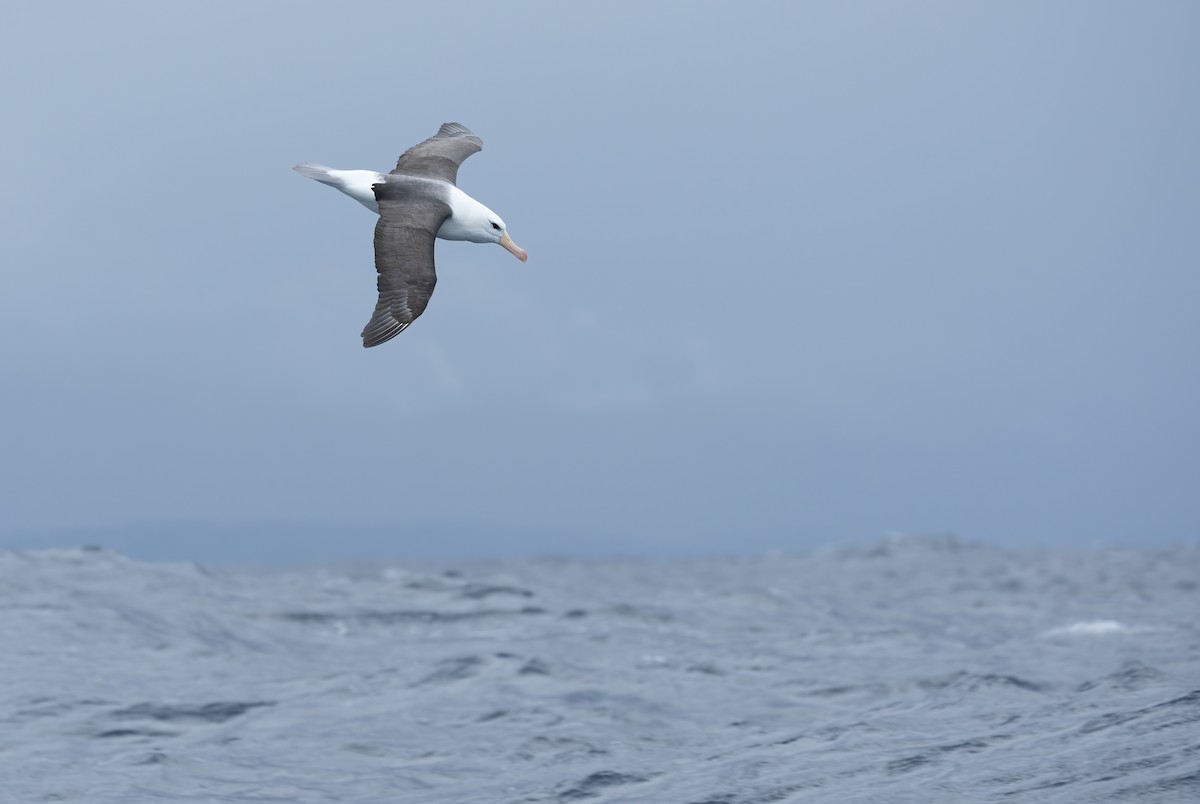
pixel 1091 628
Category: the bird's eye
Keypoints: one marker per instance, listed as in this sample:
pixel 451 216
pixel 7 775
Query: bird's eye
pixel 495 226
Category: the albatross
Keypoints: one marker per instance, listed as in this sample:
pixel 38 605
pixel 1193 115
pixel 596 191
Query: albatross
pixel 416 203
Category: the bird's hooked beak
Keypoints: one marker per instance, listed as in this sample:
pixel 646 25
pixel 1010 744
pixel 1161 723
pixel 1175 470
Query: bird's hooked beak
pixel 516 250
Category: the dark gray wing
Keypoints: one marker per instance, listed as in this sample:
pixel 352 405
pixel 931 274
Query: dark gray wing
pixel 440 156
pixel 408 223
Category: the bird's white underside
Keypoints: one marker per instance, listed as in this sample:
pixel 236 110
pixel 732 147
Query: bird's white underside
pixel 357 185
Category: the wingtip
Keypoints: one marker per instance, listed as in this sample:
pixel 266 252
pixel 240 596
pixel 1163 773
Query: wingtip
pixel 455 130
pixel 381 330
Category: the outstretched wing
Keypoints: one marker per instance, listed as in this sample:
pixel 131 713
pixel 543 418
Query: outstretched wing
pixel 439 156
pixel 404 236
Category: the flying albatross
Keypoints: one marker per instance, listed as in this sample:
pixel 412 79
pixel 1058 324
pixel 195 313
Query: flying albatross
pixel 417 202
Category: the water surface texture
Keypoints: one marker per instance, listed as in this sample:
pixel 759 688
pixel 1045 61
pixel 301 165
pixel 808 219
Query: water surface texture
pixel 912 670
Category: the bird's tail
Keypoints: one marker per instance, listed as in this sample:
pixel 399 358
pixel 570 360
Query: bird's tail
pixel 321 173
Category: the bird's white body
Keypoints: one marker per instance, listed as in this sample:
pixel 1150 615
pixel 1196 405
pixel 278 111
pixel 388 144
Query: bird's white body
pixel 468 220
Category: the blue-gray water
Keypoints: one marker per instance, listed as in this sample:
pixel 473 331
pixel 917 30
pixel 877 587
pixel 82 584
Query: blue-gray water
pixel 913 670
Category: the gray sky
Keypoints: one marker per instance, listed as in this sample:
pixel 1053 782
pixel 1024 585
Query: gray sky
pixel 799 273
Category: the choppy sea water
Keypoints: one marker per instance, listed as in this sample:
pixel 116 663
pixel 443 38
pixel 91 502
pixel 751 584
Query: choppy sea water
pixel 913 670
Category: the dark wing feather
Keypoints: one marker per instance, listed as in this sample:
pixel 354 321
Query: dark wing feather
pixel 440 156
pixel 404 238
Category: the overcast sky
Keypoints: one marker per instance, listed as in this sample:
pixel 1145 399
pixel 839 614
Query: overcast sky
pixel 799 274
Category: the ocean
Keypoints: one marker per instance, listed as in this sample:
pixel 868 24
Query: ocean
pixel 908 670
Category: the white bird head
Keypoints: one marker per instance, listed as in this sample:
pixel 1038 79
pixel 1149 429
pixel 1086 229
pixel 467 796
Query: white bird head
pixel 477 223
